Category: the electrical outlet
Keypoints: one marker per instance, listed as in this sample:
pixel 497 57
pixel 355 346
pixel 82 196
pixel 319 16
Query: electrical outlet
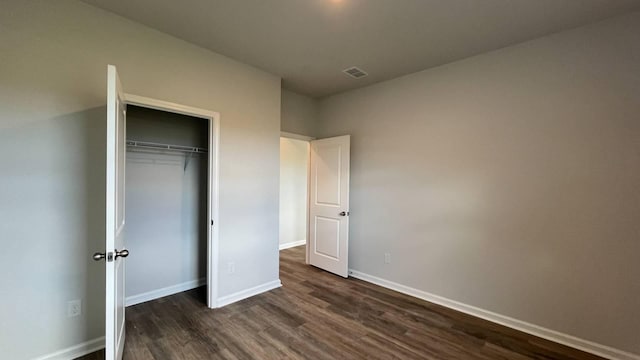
pixel 231 267
pixel 387 258
pixel 74 308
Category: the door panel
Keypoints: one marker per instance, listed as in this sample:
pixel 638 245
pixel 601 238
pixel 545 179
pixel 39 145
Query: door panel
pixel 329 204
pixel 115 221
pixel 327 237
pixel 328 174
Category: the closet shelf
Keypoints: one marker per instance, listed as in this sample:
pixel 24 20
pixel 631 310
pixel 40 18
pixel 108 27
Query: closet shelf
pixel 133 144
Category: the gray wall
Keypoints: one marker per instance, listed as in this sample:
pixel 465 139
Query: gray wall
pixel 53 60
pixel 299 114
pixel 151 125
pixel 166 203
pixel 508 181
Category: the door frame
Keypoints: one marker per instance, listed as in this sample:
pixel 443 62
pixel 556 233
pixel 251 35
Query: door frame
pixel 308 139
pixel 213 197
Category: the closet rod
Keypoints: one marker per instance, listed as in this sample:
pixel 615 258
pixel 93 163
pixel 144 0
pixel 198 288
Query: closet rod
pixel 165 147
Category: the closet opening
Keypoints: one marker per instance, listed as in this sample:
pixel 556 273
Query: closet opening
pixel 168 206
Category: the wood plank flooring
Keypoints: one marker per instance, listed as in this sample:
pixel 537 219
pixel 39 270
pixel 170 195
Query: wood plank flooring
pixel 316 315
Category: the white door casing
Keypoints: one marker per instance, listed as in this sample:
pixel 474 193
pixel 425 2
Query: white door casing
pixel 115 219
pixel 212 184
pixel 329 204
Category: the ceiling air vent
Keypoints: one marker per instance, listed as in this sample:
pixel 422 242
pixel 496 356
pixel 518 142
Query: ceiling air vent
pixel 355 73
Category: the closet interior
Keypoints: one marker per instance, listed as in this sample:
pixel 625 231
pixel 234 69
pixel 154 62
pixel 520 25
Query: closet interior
pixel 166 203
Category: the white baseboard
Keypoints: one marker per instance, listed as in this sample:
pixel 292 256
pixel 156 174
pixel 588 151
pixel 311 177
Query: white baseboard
pixel 555 336
pixel 241 295
pixel 169 290
pixel 293 244
pixel 75 351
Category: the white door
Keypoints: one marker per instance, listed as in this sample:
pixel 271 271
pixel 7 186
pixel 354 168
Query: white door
pixel 115 248
pixel 329 204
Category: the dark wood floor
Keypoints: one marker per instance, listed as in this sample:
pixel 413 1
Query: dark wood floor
pixel 316 315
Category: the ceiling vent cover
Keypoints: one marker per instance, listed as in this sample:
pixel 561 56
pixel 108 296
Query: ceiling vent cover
pixel 355 72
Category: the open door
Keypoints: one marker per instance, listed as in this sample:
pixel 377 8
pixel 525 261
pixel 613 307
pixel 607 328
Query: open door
pixel 329 204
pixel 115 251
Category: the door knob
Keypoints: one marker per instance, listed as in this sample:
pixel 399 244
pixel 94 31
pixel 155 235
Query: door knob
pixel 101 256
pixel 344 213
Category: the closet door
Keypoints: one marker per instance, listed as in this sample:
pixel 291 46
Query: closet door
pixel 115 251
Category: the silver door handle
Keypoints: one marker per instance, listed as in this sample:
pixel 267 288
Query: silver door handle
pixel 343 213
pixel 101 256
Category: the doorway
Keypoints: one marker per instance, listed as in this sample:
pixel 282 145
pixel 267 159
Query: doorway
pixel 116 250
pixel 294 185
pixel 166 178
pixel 314 199
pixel 190 137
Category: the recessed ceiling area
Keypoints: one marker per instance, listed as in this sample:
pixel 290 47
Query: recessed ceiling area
pixel 308 43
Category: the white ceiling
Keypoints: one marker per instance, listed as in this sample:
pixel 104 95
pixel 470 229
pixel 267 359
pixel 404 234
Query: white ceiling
pixel 309 42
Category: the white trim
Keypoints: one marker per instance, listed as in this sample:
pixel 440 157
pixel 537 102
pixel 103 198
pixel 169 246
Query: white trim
pixel 75 351
pixel 308 204
pixel 293 244
pixel 168 106
pixel 213 223
pixel 289 135
pixel 213 181
pixel 166 291
pixel 241 295
pixel 539 331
